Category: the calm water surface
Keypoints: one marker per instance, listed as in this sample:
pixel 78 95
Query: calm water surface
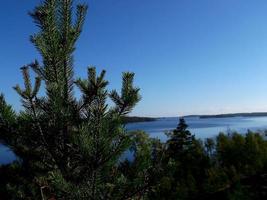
pixel 202 128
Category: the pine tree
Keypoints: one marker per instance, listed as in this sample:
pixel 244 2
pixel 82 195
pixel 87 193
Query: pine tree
pixel 67 148
pixel 180 140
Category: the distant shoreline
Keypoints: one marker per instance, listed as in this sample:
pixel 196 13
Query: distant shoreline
pixel 253 114
pixel 134 119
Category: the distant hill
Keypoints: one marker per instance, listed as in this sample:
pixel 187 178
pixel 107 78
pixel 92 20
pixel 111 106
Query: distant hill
pixel 253 114
pixel 135 119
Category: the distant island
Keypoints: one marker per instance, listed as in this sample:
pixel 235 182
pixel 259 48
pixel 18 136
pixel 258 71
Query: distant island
pixel 134 119
pixel 253 114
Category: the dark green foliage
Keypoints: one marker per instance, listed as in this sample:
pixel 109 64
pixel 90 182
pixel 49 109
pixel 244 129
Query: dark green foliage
pixel 70 148
pixel 227 167
pixel 139 173
pixel 67 149
pixel 183 166
pixel 181 140
pixel 7 121
pixel 131 119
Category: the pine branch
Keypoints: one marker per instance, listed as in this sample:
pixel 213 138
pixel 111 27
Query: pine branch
pixel 129 95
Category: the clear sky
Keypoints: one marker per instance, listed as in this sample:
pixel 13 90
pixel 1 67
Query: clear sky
pixel 189 56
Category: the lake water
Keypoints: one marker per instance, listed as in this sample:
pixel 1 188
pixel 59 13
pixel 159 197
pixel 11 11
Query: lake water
pixel 202 128
pixel 6 156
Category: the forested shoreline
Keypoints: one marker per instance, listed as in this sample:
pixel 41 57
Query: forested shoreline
pixel 255 114
pixel 134 119
pixel 72 147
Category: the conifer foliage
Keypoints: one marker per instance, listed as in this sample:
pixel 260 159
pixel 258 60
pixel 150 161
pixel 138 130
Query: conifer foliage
pixel 71 147
pixel 66 148
pixel 180 140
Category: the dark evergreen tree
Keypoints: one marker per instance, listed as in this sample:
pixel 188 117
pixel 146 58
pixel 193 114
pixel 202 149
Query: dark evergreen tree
pixel 184 166
pixel 180 140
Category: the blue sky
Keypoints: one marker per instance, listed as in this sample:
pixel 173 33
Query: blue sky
pixel 189 56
